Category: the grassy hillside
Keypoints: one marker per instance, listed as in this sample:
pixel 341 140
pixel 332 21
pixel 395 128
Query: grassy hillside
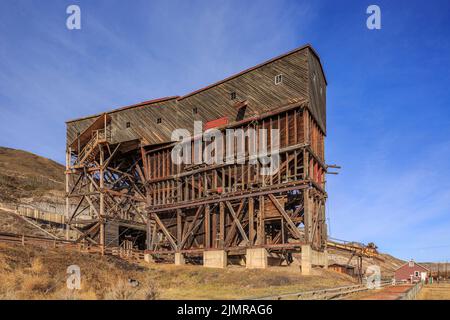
pixel 387 263
pixel 37 273
pixel 26 175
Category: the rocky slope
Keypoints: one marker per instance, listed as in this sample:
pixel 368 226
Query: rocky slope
pixel 29 178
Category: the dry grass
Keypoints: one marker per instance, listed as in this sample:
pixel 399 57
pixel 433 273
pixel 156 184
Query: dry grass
pixel 36 273
pixel 11 223
pixel 436 291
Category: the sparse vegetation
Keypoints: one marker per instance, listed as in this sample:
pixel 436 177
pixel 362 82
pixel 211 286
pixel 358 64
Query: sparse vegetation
pixel 436 291
pixel 37 273
pixel 32 176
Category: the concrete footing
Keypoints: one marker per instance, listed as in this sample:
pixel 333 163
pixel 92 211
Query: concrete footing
pixel 215 259
pixel 179 259
pixel 312 258
pixel 256 258
pixel 148 258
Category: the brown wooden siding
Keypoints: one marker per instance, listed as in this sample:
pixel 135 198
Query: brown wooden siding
pixel 317 91
pixel 257 87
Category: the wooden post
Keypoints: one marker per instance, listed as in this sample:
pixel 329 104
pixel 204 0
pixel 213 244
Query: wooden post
pixel 307 214
pixel 214 230
pixel 179 227
pixel 102 201
pixel 102 237
pixel 222 225
pixel 261 228
pixel 251 223
pixel 67 189
pixel 207 227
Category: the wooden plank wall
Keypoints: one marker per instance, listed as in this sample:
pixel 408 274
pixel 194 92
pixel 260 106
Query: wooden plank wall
pixel 317 91
pixel 169 183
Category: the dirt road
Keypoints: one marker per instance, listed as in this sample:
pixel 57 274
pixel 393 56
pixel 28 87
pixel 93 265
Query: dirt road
pixel 387 293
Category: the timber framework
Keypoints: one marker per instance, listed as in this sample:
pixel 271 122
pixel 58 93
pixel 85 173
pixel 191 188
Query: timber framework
pixel 122 188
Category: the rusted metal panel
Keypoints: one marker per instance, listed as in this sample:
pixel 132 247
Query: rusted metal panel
pixel 215 123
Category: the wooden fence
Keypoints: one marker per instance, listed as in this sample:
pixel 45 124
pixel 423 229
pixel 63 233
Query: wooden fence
pixel 323 294
pixel 129 254
pixel 41 215
pixel 412 293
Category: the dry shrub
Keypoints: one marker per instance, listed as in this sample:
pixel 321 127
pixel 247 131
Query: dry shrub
pixel 121 291
pixel 37 266
pixel 66 294
pixel 124 291
pixel 278 280
pixel 8 295
pixel 37 284
pixel 151 292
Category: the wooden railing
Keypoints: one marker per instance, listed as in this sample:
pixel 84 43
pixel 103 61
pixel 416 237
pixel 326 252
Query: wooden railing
pixel 40 215
pixel 24 240
pixel 412 293
pixel 323 294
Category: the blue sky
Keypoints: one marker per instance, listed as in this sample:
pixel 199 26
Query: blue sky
pixel 388 94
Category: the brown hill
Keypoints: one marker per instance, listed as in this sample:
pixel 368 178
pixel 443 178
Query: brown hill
pixel 37 273
pixel 26 175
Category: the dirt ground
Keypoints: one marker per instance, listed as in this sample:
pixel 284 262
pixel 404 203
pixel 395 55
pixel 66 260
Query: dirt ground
pixel 38 273
pixel 435 291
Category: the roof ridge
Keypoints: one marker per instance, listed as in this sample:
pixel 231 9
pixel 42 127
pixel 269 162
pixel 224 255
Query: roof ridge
pixel 179 98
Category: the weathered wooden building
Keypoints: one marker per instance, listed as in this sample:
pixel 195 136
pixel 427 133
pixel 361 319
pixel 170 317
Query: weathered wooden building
pixel 120 169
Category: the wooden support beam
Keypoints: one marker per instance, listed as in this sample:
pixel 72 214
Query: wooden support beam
pixel 251 223
pixel 306 215
pixel 221 225
pixel 232 230
pixel 236 220
pixel 192 227
pixel 179 226
pixel 207 227
pixel 260 235
pixel 165 231
pixel 292 226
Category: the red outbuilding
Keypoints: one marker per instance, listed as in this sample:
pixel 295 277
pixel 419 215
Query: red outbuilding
pixel 412 272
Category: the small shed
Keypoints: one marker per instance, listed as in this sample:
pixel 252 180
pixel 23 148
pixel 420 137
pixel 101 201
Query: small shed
pixel 412 272
pixel 343 268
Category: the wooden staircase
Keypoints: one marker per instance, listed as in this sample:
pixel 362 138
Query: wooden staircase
pixel 91 150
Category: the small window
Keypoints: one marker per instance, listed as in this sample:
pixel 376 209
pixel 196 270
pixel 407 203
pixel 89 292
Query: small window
pixel 233 95
pixel 416 273
pixel 278 79
pixel 194 110
pixel 128 124
pixel 159 120
pixel 321 90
